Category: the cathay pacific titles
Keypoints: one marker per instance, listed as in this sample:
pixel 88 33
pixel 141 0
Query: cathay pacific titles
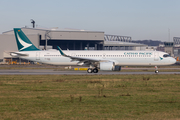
pixel 137 53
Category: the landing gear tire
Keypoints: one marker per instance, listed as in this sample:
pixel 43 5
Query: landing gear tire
pixel 95 70
pixel 89 70
pixel 156 70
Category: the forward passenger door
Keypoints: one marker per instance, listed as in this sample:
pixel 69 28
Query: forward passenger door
pixel 156 56
pixel 37 55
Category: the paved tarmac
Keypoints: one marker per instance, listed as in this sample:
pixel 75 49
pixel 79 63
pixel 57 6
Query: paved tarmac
pixel 53 72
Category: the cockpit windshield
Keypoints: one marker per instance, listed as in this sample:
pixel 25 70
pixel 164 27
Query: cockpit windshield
pixel 166 55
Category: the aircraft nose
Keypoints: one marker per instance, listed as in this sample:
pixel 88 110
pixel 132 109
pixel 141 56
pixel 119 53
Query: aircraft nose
pixel 173 61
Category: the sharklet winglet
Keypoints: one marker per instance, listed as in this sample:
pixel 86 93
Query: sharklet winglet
pixel 61 52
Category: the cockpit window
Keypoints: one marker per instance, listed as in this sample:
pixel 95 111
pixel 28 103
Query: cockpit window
pixel 166 55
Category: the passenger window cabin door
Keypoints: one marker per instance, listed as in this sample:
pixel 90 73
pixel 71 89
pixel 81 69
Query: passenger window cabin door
pixel 37 55
pixel 156 56
pixel 104 55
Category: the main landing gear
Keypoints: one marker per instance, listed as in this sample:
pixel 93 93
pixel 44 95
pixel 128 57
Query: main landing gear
pixel 156 70
pixel 90 70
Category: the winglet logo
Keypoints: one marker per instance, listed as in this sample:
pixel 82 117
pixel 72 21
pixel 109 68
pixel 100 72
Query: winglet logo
pixel 160 58
pixel 24 44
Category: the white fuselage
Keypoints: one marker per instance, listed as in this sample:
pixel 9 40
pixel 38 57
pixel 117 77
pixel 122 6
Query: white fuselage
pixel 120 58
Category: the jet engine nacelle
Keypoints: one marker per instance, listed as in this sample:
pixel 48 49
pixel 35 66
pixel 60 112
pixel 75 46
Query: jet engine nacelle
pixel 109 66
pixel 117 68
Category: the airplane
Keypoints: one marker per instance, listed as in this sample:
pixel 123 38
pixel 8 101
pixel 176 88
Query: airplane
pixel 94 60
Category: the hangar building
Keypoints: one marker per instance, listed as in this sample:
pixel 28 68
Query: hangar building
pixel 69 39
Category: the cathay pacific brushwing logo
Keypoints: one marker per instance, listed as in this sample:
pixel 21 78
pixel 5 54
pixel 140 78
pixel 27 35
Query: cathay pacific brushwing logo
pixel 161 58
pixel 24 44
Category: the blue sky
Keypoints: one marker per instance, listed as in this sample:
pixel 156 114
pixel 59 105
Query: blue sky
pixel 140 19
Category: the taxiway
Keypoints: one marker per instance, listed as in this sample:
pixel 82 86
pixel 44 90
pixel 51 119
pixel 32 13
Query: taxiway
pixel 69 72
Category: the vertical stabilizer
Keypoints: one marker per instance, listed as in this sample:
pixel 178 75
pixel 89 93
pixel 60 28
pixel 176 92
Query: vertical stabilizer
pixel 23 43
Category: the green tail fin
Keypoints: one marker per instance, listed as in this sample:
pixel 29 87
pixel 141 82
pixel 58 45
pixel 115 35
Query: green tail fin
pixel 23 43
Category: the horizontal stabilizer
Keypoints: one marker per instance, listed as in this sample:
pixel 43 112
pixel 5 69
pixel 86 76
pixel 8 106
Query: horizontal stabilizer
pixel 18 54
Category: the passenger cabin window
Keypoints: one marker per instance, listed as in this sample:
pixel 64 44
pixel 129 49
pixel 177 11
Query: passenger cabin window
pixel 166 55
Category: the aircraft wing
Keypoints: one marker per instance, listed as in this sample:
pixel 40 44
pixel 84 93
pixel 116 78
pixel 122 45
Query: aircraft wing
pixel 81 59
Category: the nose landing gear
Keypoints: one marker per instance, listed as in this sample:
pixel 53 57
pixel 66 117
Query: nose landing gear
pixel 156 70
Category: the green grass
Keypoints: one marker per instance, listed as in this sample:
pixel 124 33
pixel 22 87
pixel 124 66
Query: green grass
pixel 89 97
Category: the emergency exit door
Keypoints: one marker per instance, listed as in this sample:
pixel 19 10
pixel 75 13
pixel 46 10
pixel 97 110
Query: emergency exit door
pixel 37 55
pixel 156 56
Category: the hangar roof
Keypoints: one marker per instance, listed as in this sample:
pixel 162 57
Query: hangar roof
pixel 62 34
pixel 55 34
pixel 119 43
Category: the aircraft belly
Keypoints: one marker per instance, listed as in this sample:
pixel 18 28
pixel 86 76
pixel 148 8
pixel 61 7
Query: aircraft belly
pixel 136 61
pixel 29 58
pixel 58 61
